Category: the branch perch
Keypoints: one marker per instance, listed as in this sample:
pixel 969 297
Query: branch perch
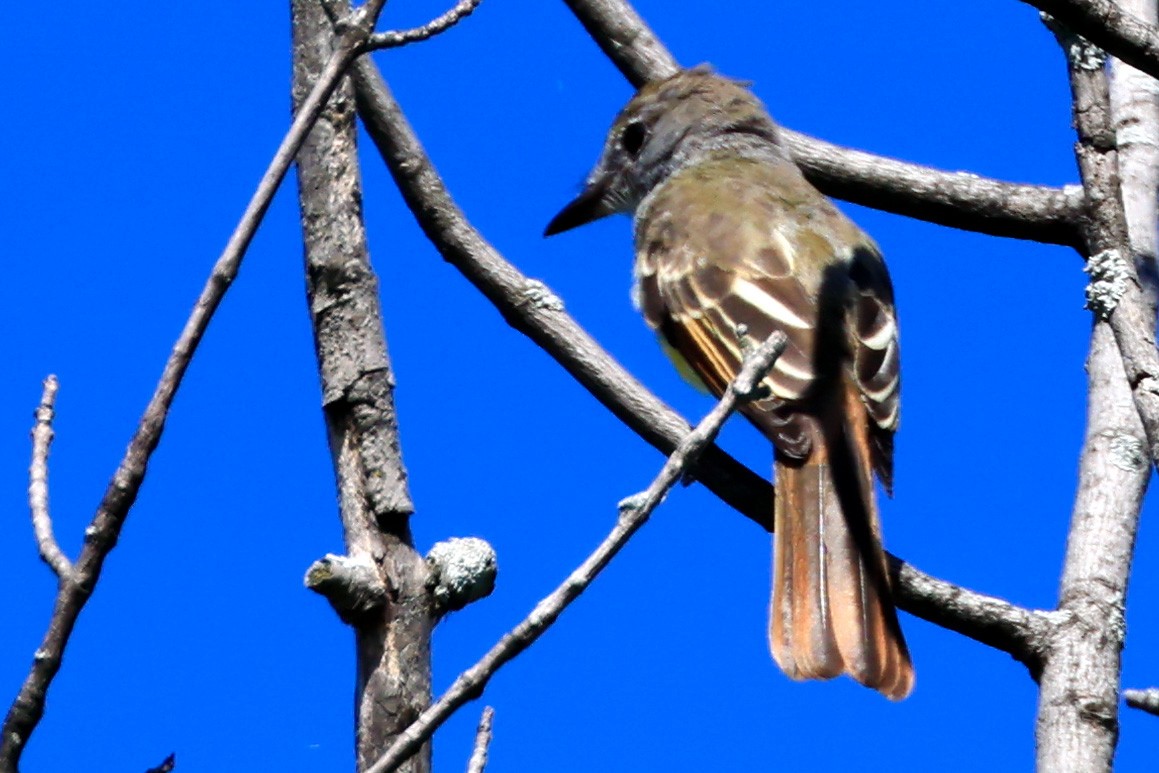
pixel 1023 633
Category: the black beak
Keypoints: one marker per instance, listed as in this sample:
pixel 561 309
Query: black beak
pixel 586 207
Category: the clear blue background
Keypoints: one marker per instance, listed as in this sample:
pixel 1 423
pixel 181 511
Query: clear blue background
pixel 134 134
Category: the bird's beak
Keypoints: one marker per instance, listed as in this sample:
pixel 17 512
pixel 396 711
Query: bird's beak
pixel 590 205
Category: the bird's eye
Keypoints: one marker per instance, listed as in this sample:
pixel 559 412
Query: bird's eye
pixel 632 138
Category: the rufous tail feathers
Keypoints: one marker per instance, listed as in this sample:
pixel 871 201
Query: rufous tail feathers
pixel 832 609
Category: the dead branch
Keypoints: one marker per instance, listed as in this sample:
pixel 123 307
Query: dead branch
pixel 101 535
pixel 478 761
pixel 438 25
pixel 1023 633
pixel 50 551
pixel 1077 727
pixel 380 587
pixel 1115 293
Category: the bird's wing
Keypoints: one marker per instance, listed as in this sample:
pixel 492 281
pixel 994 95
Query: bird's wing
pixel 876 356
pixel 741 243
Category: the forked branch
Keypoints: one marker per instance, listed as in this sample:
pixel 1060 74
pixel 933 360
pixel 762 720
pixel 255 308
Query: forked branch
pixel 101 535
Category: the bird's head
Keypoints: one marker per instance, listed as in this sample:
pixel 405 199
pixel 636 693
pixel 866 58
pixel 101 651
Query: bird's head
pixel 668 125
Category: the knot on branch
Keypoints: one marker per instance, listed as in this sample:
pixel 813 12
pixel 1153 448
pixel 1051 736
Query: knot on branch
pixel 632 504
pixel 463 570
pixel 540 296
pixel 1128 452
pixel 351 585
pixel 1109 273
pixel 1080 52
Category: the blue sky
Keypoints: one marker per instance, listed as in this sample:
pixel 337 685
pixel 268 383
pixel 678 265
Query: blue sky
pixel 136 134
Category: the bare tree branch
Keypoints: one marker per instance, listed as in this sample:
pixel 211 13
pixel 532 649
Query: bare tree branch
pixel 1115 293
pixel 381 586
pixel 956 199
pixel 1023 633
pixel 478 761
pixel 1144 700
pixel 50 551
pixel 634 513
pixel 396 38
pixel 1077 727
pixel 101 535
pixel 626 39
pixel 529 307
pixel 1110 26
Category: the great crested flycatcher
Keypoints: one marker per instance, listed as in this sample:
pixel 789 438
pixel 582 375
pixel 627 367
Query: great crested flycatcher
pixel 730 237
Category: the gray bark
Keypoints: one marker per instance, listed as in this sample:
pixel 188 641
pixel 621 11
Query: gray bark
pixel 1078 701
pixel 393 639
pixel 1078 726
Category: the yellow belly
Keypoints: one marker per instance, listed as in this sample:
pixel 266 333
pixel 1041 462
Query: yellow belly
pixel 686 371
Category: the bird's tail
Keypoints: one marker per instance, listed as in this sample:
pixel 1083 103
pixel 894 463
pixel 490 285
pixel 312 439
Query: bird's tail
pixel 832 609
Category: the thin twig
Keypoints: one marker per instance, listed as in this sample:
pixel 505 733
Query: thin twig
pixel 957 199
pixel 478 759
pixel 50 551
pixel 102 533
pixel 1114 29
pixel 1144 700
pixel 440 24
pixel 634 513
pixel 529 307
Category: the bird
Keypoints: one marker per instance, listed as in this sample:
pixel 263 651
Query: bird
pixel 732 243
